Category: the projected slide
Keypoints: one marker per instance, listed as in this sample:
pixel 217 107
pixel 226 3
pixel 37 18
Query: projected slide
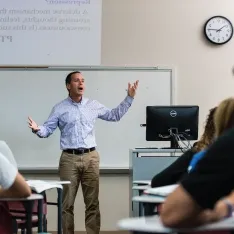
pixel 50 32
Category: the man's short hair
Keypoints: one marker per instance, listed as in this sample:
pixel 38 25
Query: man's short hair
pixel 69 76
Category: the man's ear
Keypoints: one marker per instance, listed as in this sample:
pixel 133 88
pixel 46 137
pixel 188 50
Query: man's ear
pixel 68 87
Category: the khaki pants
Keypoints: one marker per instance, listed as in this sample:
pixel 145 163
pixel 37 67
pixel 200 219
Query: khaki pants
pixel 82 169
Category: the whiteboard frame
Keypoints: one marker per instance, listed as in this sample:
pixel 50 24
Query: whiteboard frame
pixel 173 98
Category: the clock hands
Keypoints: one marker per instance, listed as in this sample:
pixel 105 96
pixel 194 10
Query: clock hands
pixel 217 30
pixel 221 28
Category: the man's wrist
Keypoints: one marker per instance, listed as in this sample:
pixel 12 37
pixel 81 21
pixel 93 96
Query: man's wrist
pixel 35 130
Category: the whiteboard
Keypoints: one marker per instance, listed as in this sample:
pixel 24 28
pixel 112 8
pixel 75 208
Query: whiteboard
pixel 50 32
pixel 34 92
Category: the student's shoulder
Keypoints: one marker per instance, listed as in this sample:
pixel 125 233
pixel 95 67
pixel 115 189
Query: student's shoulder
pixel 186 157
pixel 2 157
pixel 190 151
pixel 4 162
pixel 225 140
pixel 189 154
pixel 222 147
pixel 6 151
pixel 229 134
pixel 3 144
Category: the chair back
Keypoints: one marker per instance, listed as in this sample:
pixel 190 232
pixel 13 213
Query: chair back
pixel 17 208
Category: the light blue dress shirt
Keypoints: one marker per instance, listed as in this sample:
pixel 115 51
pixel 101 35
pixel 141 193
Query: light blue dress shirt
pixel 76 121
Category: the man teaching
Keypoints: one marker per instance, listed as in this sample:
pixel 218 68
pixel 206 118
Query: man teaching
pixel 79 162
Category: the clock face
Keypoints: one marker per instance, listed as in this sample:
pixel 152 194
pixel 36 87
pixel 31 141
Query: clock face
pixel 218 30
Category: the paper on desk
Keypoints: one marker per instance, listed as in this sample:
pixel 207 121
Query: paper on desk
pixel 163 191
pixel 40 185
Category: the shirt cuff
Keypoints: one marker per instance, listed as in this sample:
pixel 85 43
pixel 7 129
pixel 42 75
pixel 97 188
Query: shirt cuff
pixel 129 99
pixel 39 131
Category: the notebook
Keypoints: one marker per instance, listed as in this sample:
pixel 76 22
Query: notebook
pixel 39 185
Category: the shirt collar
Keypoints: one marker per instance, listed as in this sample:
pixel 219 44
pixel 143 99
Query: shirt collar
pixel 82 101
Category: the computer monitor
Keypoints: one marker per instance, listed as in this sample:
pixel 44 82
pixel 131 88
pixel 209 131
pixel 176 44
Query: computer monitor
pixel 172 123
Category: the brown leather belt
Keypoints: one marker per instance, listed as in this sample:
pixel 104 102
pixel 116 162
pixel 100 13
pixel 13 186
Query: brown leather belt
pixel 79 151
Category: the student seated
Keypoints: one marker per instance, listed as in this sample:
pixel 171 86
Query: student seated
pixel 12 184
pixel 197 199
pixel 179 168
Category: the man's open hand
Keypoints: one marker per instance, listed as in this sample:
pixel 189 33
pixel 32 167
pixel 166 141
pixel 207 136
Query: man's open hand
pixel 132 89
pixel 32 124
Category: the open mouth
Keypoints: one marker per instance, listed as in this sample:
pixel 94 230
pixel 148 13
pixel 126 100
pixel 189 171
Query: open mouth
pixel 80 89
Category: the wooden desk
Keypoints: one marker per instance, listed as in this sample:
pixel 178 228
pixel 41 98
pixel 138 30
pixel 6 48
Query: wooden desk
pixel 153 225
pixel 28 204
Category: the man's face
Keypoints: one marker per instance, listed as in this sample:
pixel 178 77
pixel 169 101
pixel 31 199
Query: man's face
pixel 77 85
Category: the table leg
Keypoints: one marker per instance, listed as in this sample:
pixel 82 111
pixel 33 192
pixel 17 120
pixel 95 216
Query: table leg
pixel 15 226
pixel 40 214
pixel 141 209
pixel 140 205
pixel 60 195
pixel 149 209
pixel 28 205
pixel 44 224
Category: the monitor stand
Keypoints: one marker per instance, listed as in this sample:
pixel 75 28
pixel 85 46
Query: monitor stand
pixel 174 144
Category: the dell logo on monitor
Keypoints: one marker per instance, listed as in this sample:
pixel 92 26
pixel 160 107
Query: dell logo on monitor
pixel 173 113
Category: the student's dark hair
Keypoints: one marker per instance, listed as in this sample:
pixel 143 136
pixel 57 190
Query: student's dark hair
pixel 209 132
pixel 69 76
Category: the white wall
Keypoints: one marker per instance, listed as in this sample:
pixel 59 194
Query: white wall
pixel 162 32
pixel 169 32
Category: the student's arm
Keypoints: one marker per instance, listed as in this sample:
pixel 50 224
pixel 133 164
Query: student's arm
pixel 19 188
pixel 12 184
pixel 174 172
pixel 192 203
